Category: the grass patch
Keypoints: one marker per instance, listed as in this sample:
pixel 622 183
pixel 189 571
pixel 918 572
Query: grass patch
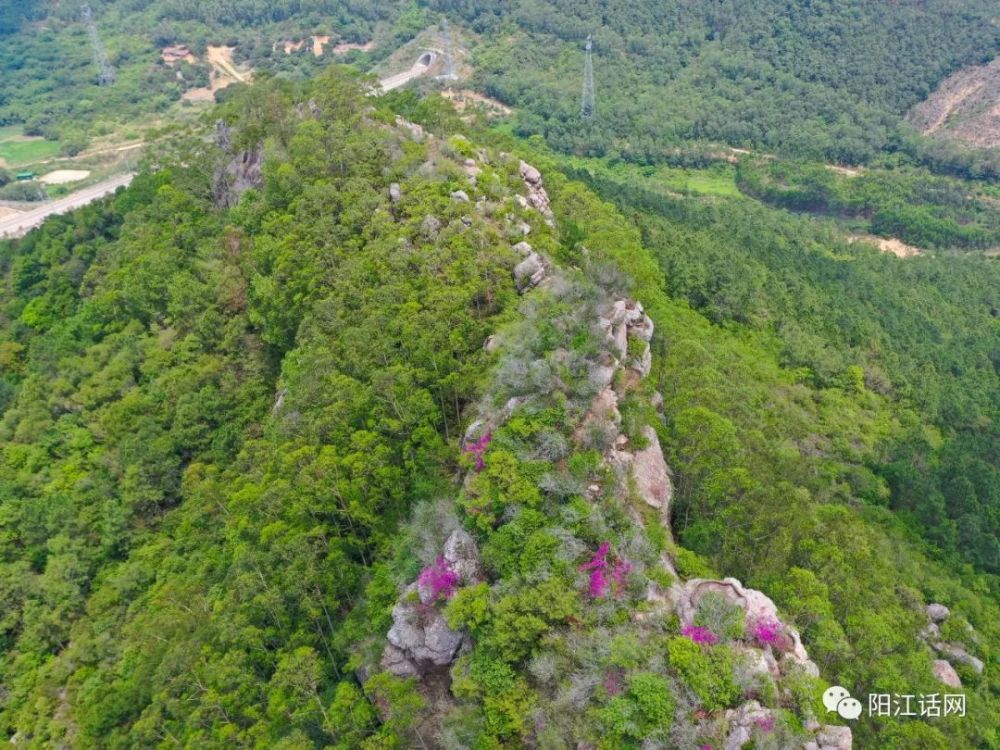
pixel 15 149
pixel 710 183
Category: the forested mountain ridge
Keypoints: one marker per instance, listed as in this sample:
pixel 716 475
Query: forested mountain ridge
pixel 235 431
pixel 357 422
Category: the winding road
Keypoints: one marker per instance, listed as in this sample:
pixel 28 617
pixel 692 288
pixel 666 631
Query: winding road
pixel 20 224
pixel 421 66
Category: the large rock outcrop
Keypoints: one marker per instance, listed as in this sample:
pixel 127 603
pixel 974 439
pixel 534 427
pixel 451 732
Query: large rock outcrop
pixel 757 608
pixel 953 653
pixel 537 197
pixel 420 640
pixel 624 320
pixel 651 475
pixel 241 171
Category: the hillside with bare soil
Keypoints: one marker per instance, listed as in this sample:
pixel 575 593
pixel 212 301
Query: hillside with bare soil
pixel 965 107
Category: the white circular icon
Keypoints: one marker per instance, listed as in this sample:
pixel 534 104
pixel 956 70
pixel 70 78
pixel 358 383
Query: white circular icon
pixel 838 699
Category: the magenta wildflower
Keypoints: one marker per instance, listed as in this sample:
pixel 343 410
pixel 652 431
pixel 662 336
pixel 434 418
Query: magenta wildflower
pixel 700 634
pixel 438 579
pixel 598 584
pixel 478 448
pixel 613 684
pixel 766 724
pixel 766 631
pixel 601 568
pixel 619 573
pixel 705 747
pixel 600 559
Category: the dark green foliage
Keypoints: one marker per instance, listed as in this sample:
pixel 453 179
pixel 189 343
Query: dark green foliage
pixel 214 421
pixel 827 78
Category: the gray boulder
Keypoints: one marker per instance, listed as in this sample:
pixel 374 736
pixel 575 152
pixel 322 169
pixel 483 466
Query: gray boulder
pixel 937 612
pixel 957 653
pixel 241 172
pixel 524 248
pixel 832 737
pixel 462 555
pixel 529 272
pixel 419 639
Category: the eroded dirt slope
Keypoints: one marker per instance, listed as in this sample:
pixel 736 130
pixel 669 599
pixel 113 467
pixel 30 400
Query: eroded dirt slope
pixel 965 107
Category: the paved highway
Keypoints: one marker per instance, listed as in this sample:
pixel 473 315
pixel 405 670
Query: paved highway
pixel 15 226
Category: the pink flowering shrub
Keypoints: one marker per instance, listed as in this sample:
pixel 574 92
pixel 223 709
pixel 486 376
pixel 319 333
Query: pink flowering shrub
pixel 766 631
pixel 605 575
pixel 439 579
pixel 766 724
pixel 770 632
pixel 478 448
pixel 700 634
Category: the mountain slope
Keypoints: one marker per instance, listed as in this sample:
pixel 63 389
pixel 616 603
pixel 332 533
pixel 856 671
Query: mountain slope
pixel 830 79
pixel 240 405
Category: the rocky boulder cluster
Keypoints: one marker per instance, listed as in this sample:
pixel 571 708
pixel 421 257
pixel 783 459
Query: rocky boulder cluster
pixel 952 653
pixel 420 640
pixel 421 644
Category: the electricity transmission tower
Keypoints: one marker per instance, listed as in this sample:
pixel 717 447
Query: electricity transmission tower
pixel 449 58
pixel 587 103
pixel 107 73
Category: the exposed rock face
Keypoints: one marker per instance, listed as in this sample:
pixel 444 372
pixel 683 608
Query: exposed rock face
pixel 420 639
pixel 460 195
pixel 956 653
pixel 416 132
pixel 937 612
pixel 523 248
pixel 945 673
pixel 756 606
pixel 529 272
pixel 243 170
pixel 625 319
pixel 395 193
pixel 537 197
pixel 462 555
pixel 652 478
pixel 742 722
pixel 602 372
pixel 834 738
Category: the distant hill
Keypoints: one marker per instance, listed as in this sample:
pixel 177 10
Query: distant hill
pixel 831 79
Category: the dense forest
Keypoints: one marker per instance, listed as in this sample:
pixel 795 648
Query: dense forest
pixel 361 422
pixel 924 333
pixel 233 433
pixel 819 80
pixel 827 79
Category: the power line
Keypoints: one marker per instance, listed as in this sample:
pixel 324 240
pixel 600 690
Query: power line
pixel 588 103
pixel 106 77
